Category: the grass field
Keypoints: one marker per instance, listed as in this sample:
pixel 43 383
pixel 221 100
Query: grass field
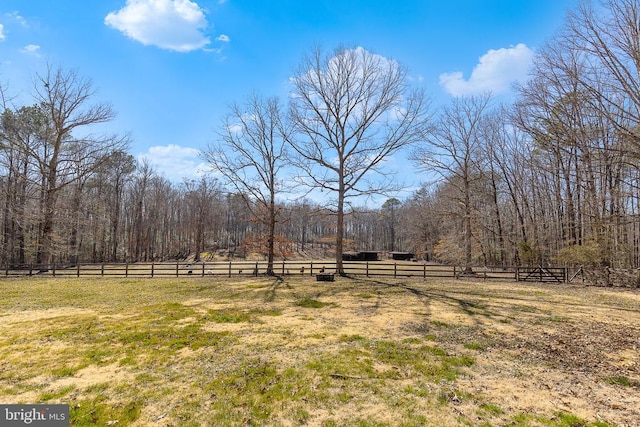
pixel 354 352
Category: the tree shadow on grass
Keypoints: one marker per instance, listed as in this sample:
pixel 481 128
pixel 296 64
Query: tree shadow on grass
pixel 277 284
pixel 379 288
pixel 468 306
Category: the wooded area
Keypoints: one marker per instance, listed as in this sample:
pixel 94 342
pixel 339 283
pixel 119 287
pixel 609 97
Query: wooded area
pixel 551 178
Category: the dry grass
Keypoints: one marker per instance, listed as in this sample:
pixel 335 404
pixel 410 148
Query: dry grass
pixel 258 351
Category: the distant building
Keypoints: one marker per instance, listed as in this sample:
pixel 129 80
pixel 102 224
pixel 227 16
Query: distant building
pixel 360 256
pixel 402 256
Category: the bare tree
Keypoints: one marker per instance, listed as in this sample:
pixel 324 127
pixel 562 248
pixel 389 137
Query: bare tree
pixel 202 206
pixel 423 225
pixel 509 153
pixel 20 129
pixel 251 159
pixel 454 150
pixel 63 97
pixel 607 35
pixel 351 110
pixel 390 214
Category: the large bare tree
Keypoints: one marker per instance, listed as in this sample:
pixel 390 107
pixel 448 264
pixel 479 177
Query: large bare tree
pixel 64 107
pixel 455 151
pixel 352 109
pixel 251 159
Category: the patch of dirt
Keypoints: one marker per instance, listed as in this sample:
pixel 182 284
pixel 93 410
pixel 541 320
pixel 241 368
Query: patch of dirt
pixel 89 376
pixel 8 319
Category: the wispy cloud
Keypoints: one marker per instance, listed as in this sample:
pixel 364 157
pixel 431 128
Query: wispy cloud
pixel 175 162
pixel 15 16
pixel 495 72
pixel 177 25
pixel 31 49
pixel 223 38
pixel 2 36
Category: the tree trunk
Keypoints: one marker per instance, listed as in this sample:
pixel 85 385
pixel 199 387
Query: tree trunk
pixel 340 230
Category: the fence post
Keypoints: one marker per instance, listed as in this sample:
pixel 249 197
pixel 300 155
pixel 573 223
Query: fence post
pixel 202 269
pixel 54 269
pixel 283 267
pixel 395 269
pixel 455 275
pixel 101 269
pixel 229 268
pixel 311 269
pixel 152 268
pixel 78 270
pixel 424 270
pixel 126 269
pixel 367 268
pixel 517 273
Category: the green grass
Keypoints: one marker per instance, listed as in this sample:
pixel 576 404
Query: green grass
pixel 560 419
pixel 623 381
pixel 474 346
pixel 308 302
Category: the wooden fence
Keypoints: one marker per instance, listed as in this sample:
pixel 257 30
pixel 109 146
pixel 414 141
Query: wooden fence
pixel 542 274
pixel 287 268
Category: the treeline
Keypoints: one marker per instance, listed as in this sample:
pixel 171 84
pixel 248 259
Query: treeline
pixel 69 195
pixel 551 178
pixel 125 212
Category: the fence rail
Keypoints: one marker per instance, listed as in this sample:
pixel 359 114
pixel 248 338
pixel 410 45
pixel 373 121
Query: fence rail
pixel 284 268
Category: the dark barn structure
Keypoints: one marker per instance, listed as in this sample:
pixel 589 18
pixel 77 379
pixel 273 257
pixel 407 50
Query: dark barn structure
pixel 360 256
pixel 402 256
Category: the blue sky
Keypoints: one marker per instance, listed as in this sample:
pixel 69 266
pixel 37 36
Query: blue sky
pixel 170 68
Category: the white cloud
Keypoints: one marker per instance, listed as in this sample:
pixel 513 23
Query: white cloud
pixel 175 162
pixel 496 72
pixel 2 36
pixel 223 38
pixel 169 24
pixel 16 17
pixel 31 49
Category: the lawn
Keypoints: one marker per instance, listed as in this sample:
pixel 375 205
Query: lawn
pixel 354 352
